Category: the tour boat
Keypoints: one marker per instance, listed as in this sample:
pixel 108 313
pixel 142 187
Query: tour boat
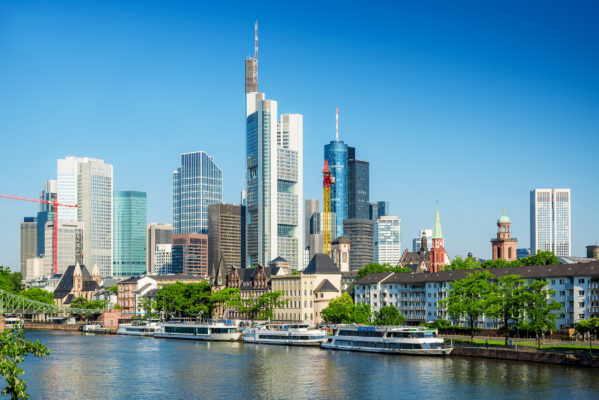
pixel 216 331
pixel 391 339
pixel 94 328
pixel 138 328
pixel 295 335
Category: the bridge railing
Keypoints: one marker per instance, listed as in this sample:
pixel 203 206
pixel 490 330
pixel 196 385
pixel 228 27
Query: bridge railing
pixel 11 303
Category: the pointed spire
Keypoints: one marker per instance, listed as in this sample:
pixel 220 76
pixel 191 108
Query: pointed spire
pixel 77 271
pixel 437 234
pixel 95 270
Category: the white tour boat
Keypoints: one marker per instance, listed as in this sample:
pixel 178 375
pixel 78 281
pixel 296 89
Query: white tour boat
pixel 295 335
pixel 391 339
pixel 138 328
pixel 94 328
pixel 216 331
pixel 14 323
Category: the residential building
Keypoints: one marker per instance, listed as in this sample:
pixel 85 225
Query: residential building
pixel 226 236
pixel 130 292
pixel 416 296
pixel 504 246
pixel 88 182
pixel 28 241
pixel 360 233
pixel 336 152
pixel 358 191
pixel 311 206
pixel 550 223
pixel 439 257
pixel 70 245
pixel 417 241
pixel 190 254
pixel 76 281
pixel 387 240
pixel 156 233
pixel 378 209
pixel 197 183
pixel 130 212
pixel 163 259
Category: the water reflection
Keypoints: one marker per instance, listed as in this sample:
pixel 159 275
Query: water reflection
pixel 99 367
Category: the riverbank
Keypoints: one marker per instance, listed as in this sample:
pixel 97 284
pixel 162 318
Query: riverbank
pixel 40 326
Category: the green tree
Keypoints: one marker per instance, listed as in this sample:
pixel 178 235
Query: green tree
pixel 38 294
pixel 114 289
pixel 374 268
pixel 588 327
pixel 10 281
pixel 148 305
pixel 261 307
pixel 540 308
pixel 219 301
pixel 507 301
pixel 171 299
pixel 360 314
pixel 339 310
pixel 463 263
pixel 389 315
pixel 467 298
pixel 78 302
pixel 13 349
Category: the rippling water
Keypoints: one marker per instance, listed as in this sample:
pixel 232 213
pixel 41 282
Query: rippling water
pixel 122 367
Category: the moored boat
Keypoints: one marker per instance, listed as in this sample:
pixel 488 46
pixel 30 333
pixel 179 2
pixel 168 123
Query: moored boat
pixel 293 335
pixel 215 331
pixel 94 328
pixel 138 328
pixel 391 339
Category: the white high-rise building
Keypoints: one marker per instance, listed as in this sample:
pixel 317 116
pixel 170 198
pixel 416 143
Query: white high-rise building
pixel 88 182
pixel 163 256
pixel 387 240
pixel 550 221
pixel 70 245
pixel 417 241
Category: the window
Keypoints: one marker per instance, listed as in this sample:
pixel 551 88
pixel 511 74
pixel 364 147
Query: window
pixel 581 280
pixel 581 292
pixel 581 316
pixel 581 304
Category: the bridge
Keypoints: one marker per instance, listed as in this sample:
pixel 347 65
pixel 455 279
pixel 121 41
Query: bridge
pixel 14 304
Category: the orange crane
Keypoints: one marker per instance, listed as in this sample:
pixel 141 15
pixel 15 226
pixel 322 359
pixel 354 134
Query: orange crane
pixel 55 204
pixel 327 181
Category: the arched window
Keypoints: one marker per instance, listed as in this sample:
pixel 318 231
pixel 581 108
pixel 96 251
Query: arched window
pixel 509 253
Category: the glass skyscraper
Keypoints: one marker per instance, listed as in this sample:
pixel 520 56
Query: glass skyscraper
pixel 197 183
pixel 129 233
pixel 550 224
pixel 45 214
pixel 359 186
pixel 387 240
pixel 336 153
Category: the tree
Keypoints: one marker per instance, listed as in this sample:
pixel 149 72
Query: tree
pixel 507 301
pixel 467 298
pixel 114 289
pixel 463 263
pixel 339 310
pixel 13 349
pixel 38 294
pixel 374 268
pixel 10 281
pixel 360 314
pixel 78 302
pixel 147 304
pixel 261 307
pixel 229 297
pixel 588 326
pixel 389 315
pixel 540 308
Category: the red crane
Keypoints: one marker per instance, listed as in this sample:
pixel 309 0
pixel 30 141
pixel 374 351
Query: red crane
pixel 55 204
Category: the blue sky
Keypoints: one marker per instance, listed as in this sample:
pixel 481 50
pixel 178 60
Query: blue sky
pixel 471 104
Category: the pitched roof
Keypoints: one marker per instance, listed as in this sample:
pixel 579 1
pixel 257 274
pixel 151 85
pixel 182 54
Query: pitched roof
pixel 65 285
pixel 373 278
pixel 321 264
pixel 326 286
pixel 437 234
pixel 279 259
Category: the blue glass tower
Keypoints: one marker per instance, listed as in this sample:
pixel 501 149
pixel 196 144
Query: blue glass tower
pixel 197 183
pixel 129 233
pixel 336 153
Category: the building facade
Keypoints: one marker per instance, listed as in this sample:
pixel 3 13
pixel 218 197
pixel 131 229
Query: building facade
pixel 88 182
pixel 336 152
pixel 156 234
pixel 311 206
pixel 163 259
pixel 28 241
pixel 190 254
pixel 70 245
pixel 387 240
pixel 504 246
pixel 197 183
pixel 358 192
pixel 417 241
pixel 45 214
pixel 378 209
pixel 130 210
pixel 550 223
pixel 360 233
pixel 226 235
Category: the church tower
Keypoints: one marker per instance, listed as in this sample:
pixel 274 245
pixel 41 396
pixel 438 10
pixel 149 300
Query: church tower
pixel 438 256
pixel 504 246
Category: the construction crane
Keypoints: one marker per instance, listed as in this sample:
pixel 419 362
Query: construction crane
pixel 327 181
pixel 55 204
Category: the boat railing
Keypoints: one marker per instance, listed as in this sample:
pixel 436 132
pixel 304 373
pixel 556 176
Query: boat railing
pixel 386 327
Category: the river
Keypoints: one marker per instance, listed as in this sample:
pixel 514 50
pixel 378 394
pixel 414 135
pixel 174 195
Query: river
pixel 123 367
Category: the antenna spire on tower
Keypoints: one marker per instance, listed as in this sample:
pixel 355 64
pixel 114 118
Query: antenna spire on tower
pixel 256 51
pixel 337 124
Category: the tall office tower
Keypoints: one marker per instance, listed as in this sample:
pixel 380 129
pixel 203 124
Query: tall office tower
pixel 550 224
pixel 378 209
pixel 190 254
pixel 358 192
pixel 387 240
pixel 336 154
pixel 290 194
pixel 417 241
pixel 70 245
pixel 87 182
pixel 226 236
pixel 163 259
pixel 45 214
pixel 360 233
pixel 311 206
pixel 316 229
pixel 28 241
pixel 34 269
pixel 197 183
pixel 156 234
pixel 129 233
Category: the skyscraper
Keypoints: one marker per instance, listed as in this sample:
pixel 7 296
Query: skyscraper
pixel 157 234
pixel 45 214
pixel 311 206
pixel 226 236
pixel 378 209
pixel 28 241
pixel 197 183
pixel 129 233
pixel 190 254
pixel 358 192
pixel 387 240
pixel 70 245
pixel 550 224
pixel 336 154
pixel 87 182
pixel 360 233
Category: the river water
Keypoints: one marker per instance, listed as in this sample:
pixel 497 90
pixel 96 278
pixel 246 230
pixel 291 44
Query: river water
pixel 124 367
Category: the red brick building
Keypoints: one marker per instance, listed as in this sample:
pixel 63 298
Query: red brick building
pixel 439 257
pixel 190 254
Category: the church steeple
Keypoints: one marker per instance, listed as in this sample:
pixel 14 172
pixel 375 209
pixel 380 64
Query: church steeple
pixel 437 233
pixel 438 255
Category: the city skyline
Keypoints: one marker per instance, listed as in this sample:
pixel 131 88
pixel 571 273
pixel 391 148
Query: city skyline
pixel 469 211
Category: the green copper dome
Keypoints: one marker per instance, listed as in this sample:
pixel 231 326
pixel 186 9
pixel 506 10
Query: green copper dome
pixel 503 219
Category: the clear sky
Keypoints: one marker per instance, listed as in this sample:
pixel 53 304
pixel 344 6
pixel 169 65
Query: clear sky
pixel 471 104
